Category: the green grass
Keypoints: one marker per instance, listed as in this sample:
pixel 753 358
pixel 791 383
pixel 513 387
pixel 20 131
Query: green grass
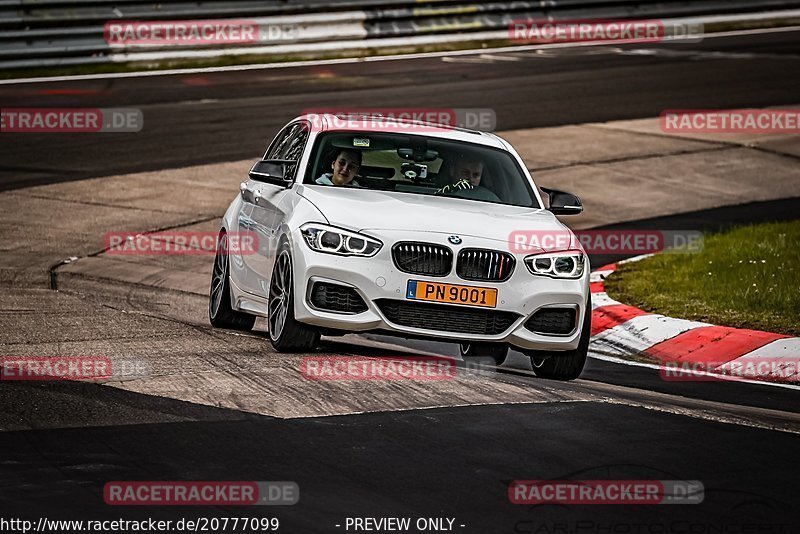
pixel 748 277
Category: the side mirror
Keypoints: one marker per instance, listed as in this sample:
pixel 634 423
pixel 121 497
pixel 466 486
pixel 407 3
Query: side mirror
pixel 563 203
pixel 272 171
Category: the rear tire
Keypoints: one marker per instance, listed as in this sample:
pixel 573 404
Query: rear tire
pixel 285 333
pixel 566 365
pixel 496 351
pixel 220 312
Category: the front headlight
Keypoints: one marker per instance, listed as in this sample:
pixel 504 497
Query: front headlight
pixel 569 264
pixel 332 240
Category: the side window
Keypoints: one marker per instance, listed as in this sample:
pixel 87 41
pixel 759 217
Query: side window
pixel 279 143
pixel 294 147
pixel 296 143
pixel 289 144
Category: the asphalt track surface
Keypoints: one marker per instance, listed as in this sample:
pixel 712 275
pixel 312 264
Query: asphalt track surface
pixel 213 117
pixel 458 463
pixel 444 462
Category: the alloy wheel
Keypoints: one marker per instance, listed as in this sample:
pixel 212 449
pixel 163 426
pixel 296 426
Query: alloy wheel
pixel 279 293
pixel 219 275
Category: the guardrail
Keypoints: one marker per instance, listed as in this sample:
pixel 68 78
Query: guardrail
pixel 49 33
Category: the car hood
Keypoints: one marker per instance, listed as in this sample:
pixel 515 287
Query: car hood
pixel 360 210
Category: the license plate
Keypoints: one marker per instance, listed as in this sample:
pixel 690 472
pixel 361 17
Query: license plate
pixel 452 294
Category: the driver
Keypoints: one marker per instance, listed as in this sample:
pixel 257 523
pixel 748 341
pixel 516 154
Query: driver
pixel 465 179
pixel 344 168
pixel 468 169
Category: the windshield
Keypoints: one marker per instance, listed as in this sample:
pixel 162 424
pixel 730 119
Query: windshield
pixel 419 165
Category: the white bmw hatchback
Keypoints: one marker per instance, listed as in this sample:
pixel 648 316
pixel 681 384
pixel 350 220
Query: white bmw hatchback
pixel 403 228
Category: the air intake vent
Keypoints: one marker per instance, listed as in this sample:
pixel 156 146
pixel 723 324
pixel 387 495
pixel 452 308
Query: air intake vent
pixel 485 265
pixel 446 318
pixel 553 321
pixel 423 258
pixel 336 298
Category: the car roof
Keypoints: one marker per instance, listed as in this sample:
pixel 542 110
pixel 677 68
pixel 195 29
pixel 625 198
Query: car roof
pixel 368 122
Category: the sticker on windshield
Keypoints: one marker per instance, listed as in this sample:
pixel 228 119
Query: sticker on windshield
pixel 361 142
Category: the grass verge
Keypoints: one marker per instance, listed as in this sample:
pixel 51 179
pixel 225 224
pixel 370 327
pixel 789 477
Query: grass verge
pixel 747 277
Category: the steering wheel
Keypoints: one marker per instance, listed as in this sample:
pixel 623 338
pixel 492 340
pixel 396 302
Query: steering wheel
pixel 454 189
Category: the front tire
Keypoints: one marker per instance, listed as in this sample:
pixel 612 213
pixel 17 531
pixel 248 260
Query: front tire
pixel 285 333
pixel 567 365
pixel 496 351
pixel 220 312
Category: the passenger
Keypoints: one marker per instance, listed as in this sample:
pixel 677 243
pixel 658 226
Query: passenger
pixel 345 167
pixel 466 175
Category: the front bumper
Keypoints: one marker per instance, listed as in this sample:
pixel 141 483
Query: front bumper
pixel 377 278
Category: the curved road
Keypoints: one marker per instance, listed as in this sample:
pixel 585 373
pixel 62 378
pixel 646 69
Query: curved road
pixel 222 406
pixel 212 117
